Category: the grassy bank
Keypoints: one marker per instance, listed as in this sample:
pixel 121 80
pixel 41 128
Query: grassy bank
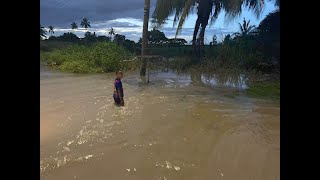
pixel 98 57
pixel 265 90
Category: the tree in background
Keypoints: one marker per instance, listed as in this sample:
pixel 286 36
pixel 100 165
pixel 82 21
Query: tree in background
pixel 214 40
pixel 112 32
pixel 270 25
pixel 103 39
pixel 85 23
pixel 90 37
pixel 119 39
pixel 177 41
pixel 68 37
pixel 269 35
pixel 43 32
pixel 227 38
pixel 74 26
pixel 51 31
pixel 130 45
pixel 245 29
pixel 156 37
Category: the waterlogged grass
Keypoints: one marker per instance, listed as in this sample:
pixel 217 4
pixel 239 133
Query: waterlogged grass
pixel 181 63
pixel 265 90
pixel 229 57
pixel 99 57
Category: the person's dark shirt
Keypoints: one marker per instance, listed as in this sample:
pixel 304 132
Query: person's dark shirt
pixel 118 86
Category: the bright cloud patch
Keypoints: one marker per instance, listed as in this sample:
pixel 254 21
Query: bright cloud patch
pixel 132 29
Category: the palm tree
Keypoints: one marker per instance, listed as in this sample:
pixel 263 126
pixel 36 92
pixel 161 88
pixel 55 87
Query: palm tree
pixel 206 9
pixel 85 23
pixel 112 32
pixel 74 26
pixel 51 30
pixel 145 37
pixel 43 32
pixel 245 29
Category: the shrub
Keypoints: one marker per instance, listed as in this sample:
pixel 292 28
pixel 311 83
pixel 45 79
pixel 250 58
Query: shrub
pixel 98 57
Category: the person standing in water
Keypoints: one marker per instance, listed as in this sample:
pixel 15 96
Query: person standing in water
pixel 118 90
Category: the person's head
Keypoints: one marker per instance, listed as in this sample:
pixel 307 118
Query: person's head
pixel 119 74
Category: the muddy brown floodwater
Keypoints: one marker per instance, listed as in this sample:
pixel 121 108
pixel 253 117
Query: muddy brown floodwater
pixel 173 129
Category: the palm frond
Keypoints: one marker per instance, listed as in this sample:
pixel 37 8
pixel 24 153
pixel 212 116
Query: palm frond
pixel 251 28
pixel 248 23
pixel 74 25
pixel 255 5
pixel 184 15
pixel 233 8
pixel 241 29
pixel 179 9
pixel 85 23
pixel 163 10
pixel 166 8
pixel 217 8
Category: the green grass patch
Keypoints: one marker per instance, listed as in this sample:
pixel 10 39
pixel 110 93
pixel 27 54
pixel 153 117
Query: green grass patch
pixel 265 90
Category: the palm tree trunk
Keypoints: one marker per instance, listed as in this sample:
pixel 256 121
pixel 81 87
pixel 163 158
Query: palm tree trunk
pixel 195 32
pixel 194 39
pixel 201 37
pixel 144 37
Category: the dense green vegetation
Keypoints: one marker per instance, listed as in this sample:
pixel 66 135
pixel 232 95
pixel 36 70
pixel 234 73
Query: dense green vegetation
pixel 98 57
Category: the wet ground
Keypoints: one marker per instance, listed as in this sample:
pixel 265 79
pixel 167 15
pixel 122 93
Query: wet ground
pixel 180 126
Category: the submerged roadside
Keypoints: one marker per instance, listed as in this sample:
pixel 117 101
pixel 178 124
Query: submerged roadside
pixel 262 77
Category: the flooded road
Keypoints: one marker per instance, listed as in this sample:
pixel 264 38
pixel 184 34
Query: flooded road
pixel 176 128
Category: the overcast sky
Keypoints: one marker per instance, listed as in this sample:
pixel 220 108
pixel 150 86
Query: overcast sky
pixel 126 16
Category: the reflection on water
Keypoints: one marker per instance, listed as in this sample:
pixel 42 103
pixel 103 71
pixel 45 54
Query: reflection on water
pixel 174 79
pixel 180 126
pixel 238 81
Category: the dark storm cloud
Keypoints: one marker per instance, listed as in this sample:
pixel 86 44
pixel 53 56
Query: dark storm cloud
pixel 61 13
